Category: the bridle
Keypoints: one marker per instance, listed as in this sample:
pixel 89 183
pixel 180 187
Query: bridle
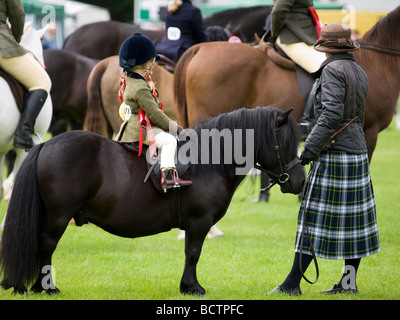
pixel 284 176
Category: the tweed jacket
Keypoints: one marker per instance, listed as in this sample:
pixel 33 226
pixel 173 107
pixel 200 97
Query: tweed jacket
pixel 138 95
pixel 340 96
pixel 13 10
pixel 292 21
pixel 184 28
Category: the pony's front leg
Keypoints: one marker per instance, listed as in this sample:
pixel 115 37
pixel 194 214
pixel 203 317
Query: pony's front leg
pixel 193 244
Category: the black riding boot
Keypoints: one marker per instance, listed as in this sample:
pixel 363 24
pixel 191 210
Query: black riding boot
pixel 33 103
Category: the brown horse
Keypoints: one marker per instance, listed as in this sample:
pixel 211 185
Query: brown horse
pixel 102 115
pixel 214 78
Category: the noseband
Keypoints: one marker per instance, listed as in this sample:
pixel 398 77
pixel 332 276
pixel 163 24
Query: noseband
pixel 284 176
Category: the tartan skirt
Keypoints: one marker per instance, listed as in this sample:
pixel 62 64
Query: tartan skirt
pixel 339 205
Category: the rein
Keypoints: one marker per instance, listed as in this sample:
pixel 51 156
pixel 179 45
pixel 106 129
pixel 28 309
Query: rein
pixel 34 57
pixel 379 48
pixel 304 229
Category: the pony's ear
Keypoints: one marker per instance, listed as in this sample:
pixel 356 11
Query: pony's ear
pixel 42 31
pixel 282 117
pixel 27 25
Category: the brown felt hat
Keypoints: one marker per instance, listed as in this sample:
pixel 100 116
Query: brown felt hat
pixel 336 38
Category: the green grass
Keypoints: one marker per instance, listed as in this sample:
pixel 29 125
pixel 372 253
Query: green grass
pixel 252 258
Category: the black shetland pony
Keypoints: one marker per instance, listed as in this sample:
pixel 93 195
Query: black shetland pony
pixel 82 174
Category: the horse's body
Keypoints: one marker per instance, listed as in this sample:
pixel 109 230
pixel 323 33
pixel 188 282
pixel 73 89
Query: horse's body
pixel 211 78
pixel 69 72
pixel 102 116
pixel 9 112
pixel 84 175
pixel 103 39
pixel 208 83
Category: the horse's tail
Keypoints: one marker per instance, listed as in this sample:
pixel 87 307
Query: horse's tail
pixel 20 255
pixel 95 120
pixel 180 85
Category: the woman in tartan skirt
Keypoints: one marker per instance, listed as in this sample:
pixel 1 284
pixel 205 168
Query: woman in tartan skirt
pixel 338 201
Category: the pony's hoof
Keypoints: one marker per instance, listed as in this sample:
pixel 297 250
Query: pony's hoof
pixel 197 290
pixel 53 291
pixel 37 288
pixel 21 290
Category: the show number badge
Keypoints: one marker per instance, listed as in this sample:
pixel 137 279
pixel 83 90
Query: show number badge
pixel 173 33
pixel 125 111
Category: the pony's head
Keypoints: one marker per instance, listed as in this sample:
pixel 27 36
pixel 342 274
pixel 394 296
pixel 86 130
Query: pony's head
pixel 265 135
pixel 277 154
pixel 31 40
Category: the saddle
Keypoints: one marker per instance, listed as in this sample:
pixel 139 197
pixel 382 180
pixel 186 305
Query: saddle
pixel 153 170
pixel 167 63
pixel 17 89
pixel 304 80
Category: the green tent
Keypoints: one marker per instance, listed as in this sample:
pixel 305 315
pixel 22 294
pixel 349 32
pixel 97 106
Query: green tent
pixel 38 8
pixel 41 13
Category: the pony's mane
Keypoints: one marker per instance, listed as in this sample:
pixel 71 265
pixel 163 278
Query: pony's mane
pixel 262 121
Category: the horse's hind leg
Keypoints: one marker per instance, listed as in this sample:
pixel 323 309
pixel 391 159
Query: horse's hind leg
pixel 49 239
pixel 194 239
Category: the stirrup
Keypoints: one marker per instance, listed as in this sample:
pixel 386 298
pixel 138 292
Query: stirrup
pixel 175 178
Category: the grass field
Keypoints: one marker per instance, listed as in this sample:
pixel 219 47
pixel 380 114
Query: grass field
pixel 252 258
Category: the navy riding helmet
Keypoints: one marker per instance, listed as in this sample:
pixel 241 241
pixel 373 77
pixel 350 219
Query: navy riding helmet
pixel 135 51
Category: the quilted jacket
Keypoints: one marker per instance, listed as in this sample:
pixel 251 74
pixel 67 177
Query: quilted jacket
pixel 340 96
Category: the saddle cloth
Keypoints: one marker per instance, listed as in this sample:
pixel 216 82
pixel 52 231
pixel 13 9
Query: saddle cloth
pixel 17 89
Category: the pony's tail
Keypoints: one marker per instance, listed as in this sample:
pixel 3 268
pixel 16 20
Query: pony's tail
pixel 95 120
pixel 20 257
pixel 180 85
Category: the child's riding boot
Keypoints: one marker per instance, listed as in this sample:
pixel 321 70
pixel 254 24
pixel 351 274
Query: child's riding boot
pixel 170 178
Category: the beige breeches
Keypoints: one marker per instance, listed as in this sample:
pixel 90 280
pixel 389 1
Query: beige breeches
pixel 27 71
pixel 303 55
pixel 166 143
